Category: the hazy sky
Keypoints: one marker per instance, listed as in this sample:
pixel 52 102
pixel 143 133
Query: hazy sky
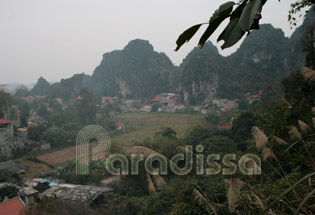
pixel 58 38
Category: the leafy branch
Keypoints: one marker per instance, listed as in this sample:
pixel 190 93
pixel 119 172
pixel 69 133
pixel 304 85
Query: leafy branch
pixel 244 17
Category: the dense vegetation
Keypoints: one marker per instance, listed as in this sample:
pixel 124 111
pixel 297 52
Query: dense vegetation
pixel 280 130
pixel 285 186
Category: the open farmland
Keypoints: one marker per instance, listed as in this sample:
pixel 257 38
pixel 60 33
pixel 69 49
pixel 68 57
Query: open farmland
pixel 142 125
pixel 138 126
pixel 33 169
pixel 58 157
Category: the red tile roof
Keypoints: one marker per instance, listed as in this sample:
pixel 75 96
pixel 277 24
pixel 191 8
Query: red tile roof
pixel 119 123
pixel 226 126
pixel 12 207
pixel 170 101
pixel 236 100
pixel 228 107
pixel 234 118
pixel 156 99
pixel 5 121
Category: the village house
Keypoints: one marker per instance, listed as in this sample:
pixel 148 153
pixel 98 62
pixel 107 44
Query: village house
pixel 9 142
pixel 120 126
pixel 225 104
pixel 13 206
pixel 107 100
pixel 26 194
pixel 4 88
pixel 29 99
pixel 60 101
pixel 169 103
pixel 253 97
pixel 156 100
pixel 175 97
pixel 228 125
pixel 77 193
pixel 146 108
pixel 220 103
pixel 34 118
pixel 6 133
pixel 163 97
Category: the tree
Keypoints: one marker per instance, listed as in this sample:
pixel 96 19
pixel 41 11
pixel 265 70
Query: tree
pixel 168 132
pixel 53 205
pixel 22 91
pixel 241 129
pixel 198 133
pixel 243 18
pixel 212 117
pixel 42 111
pixel 86 108
pixel 219 145
pixel 24 112
pixel 5 100
pixel 35 133
pixel 8 191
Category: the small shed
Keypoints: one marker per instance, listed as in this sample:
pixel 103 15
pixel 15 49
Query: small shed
pixel 28 195
pixel 120 126
pixel 80 193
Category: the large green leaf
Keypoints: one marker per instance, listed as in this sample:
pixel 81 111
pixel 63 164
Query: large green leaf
pixel 231 34
pixel 186 36
pixel 238 10
pixel 217 18
pixel 250 13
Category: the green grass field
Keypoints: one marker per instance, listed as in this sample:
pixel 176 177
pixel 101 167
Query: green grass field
pixel 142 125
pixel 138 127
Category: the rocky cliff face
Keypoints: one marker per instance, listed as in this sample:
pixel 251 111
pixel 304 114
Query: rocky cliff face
pixel 310 36
pixel 68 88
pixel 207 74
pixel 267 52
pixel 200 74
pixel 310 41
pixel 137 71
pixel 42 87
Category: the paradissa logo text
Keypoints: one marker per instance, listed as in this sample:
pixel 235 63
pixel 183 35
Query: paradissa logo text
pixel 154 163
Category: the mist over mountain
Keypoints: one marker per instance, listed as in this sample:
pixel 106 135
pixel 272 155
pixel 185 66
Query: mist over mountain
pixel 138 71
